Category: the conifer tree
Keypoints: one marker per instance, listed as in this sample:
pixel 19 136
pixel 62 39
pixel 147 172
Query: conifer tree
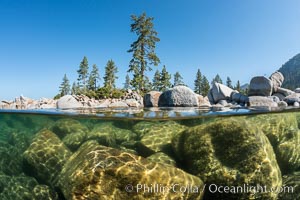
pixel 165 78
pixel 205 86
pixel 178 79
pixel 229 82
pixel 143 49
pixel 65 86
pixel 156 81
pixel 127 82
pixel 94 77
pixel 83 73
pixel 74 89
pixel 198 82
pixel 110 74
pixel 238 86
pixel 217 79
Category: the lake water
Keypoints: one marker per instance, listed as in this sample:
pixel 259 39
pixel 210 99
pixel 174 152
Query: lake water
pixel 154 154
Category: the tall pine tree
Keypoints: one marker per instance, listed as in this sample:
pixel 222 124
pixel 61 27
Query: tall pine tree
pixel 110 74
pixel 198 82
pixel 143 49
pixel 94 78
pixel 127 82
pixel 156 81
pixel 238 86
pixel 217 79
pixel 65 86
pixel 83 73
pixel 74 89
pixel 205 86
pixel 229 82
pixel 165 78
pixel 178 80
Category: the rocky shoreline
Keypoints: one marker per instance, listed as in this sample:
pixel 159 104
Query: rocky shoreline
pixel 263 93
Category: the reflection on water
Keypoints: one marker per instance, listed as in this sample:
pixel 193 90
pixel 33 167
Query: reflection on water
pixel 71 155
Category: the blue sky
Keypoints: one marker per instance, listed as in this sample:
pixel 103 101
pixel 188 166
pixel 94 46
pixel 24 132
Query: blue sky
pixel 43 39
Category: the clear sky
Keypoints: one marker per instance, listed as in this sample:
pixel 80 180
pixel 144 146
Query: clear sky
pixel 40 40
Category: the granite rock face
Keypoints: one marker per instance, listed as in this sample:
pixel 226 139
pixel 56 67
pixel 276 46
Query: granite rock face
pixel 68 102
pixel 47 155
pixel 151 99
pixel 98 172
pixel 260 86
pixel 220 92
pixel 277 79
pixel 178 96
pixel 232 153
pixel 291 99
pixel 282 132
pixel 260 101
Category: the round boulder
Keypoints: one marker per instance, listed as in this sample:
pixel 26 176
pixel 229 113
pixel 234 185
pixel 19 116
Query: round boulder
pixel 180 96
pixel 260 86
pixel 68 102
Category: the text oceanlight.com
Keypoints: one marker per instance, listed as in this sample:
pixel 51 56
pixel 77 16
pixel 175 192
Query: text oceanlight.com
pixel 212 188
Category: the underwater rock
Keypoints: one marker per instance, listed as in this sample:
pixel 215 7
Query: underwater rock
pixel 260 86
pixel 17 187
pixel 180 96
pixel 143 127
pixel 11 162
pixel 161 157
pixel 229 152
pixel 282 132
pixel 159 138
pixel 44 192
pixel 46 155
pixel 72 132
pixel 99 172
pixel 291 187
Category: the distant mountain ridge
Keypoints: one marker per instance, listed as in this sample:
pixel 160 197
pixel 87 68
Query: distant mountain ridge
pixel 291 73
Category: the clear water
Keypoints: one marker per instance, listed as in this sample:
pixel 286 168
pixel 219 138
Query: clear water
pixel 154 154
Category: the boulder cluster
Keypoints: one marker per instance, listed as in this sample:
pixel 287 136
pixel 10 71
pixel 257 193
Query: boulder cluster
pixel 74 158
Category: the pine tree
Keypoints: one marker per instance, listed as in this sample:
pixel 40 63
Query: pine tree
pixel 238 86
pixel 94 77
pixel 83 73
pixel 205 86
pixel 143 49
pixel 74 89
pixel 165 78
pixel 229 82
pixel 178 79
pixel 65 86
pixel 217 79
pixel 127 82
pixel 110 74
pixel 198 82
pixel 156 81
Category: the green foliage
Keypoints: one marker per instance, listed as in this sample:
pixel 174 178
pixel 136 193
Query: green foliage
pixel 198 82
pixel 107 92
pixel 83 73
pixel 165 78
pixel 205 86
pixel 178 80
pixel 238 86
pixel 110 74
pixel 291 73
pixel 75 88
pixel 143 50
pixel 217 79
pixel 57 96
pixel 156 81
pixel 127 82
pixel 65 86
pixel 229 82
pixel 94 78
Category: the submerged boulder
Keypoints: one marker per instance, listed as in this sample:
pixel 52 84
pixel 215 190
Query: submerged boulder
pixel 229 152
pixel 282 132
pixel 291 189
pixel 46 156
pixel 180 96
pixel 260 86
pixel 99 172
